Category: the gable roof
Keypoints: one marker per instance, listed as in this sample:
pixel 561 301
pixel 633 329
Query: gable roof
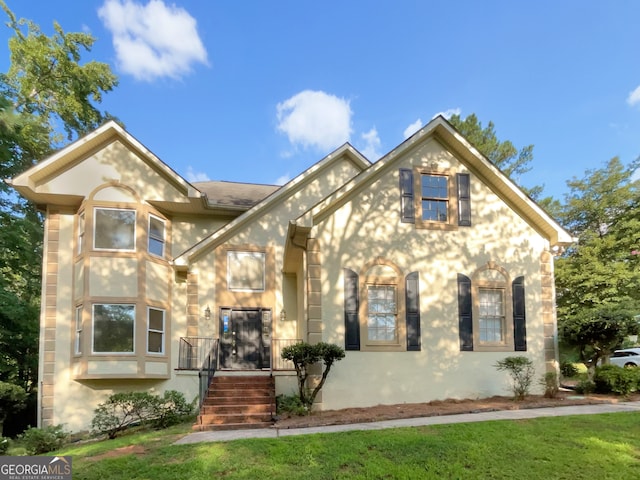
pixel 441 129
pixel 234 194
pixel 219 236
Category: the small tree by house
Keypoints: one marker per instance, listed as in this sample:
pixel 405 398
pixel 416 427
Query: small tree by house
pixel 521 371
pixel 304 356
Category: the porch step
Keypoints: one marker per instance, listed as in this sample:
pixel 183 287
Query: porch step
pixel 238 402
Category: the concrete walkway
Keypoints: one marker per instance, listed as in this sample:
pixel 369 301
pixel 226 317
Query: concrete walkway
pixel 225 436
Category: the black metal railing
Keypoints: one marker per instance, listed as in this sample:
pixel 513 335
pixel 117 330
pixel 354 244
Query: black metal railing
pixel 192 352
pixel 277 362
pixel 208 370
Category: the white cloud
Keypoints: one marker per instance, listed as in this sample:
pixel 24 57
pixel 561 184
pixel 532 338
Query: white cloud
pixel 153 40
pixel 371 149
pixel 448 113
pixel 413 128
pixel 634 97
pixel 281 180
pixel 315 119
pixel 193 176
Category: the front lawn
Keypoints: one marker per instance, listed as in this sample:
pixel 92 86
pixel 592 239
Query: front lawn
pixel 587 446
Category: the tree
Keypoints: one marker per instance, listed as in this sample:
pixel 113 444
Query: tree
pixel 503 155
pixel 12 400
pixel 597 278
pixel 304 356
pixel 46 96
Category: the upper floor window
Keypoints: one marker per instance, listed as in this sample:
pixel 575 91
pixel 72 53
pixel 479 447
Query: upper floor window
pixel 156 236
pixel 115 229
pixel 113 328
pixel 246 271
pixel 435 198
pixel 80 232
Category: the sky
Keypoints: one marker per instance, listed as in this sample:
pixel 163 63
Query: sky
pixel 258 91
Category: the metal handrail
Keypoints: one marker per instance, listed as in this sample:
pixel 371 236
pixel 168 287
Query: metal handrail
pixel 192 352
pixel 208 370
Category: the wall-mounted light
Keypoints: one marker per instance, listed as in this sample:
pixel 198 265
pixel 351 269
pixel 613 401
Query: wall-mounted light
pixel 283 315
pixel 207 313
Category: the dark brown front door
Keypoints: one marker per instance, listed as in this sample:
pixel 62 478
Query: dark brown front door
pixel 244 338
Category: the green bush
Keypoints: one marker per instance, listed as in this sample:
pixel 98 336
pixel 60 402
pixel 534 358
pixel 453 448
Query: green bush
pixel 290 404
pixel 550 383
pixel 568 369
pixel 124 410
pixel 521 371
pixel 615 379
pixel 304 356
pixel 585 386
pixel 43 440
pixel 4 445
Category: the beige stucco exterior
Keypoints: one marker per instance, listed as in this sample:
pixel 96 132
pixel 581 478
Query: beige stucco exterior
pixel 342 213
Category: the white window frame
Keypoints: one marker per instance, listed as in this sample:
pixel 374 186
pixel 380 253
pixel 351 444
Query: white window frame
pixel 153 330
pixel 235 283
pixel 93 330
pixel 81 232
pixel 78 335
pixel 161 240
pixel 95 224
pixel 501 317
pixel 393 312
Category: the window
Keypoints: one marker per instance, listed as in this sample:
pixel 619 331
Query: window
pixel 246 271
pixel 113 328
pixel 78 336
pixel 435 198
pixel 442 198
pixel 491 316
pixel 382 313
pixel 80 232
pixel 491 312
pixel 115 229
pixel 155 330
pixel 156 236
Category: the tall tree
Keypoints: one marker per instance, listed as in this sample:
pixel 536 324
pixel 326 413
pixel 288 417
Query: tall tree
pixel 598 277
pixel 46 96
pixel 513 162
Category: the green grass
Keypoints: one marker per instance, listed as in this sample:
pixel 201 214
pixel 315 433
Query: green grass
pixel 589 446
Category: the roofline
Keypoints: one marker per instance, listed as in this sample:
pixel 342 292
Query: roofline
pixel 441 128
pixel 223 233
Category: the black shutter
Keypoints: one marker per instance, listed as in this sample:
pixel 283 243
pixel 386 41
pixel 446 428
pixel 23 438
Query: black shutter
pixel 412 305
pixel 519 315
pixel 464 200
pixel 351 307
pixel 407 210
pixel 465 320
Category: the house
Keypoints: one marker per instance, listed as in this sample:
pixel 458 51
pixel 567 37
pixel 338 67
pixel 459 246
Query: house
pixel 427 266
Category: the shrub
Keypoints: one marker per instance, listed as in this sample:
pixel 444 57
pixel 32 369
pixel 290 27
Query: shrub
pixel 172 409
pixel 304 356
pixel 585 386
pixel 124 410
pixel 290 404
pixel 521 371
pixel 4 445
pixel 43 440
pixel 550 383
pixel 568 369
pixel 615 379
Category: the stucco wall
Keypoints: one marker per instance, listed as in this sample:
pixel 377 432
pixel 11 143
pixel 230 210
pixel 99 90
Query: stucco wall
pixel 369 226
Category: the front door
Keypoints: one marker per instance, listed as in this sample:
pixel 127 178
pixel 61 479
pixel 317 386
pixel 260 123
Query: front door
pixel 245 338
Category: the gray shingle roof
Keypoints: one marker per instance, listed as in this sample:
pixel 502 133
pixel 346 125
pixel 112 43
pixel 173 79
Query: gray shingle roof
pixel 233 194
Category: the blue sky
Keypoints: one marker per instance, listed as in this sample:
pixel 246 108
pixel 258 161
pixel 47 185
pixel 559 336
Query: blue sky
pixel 257 91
